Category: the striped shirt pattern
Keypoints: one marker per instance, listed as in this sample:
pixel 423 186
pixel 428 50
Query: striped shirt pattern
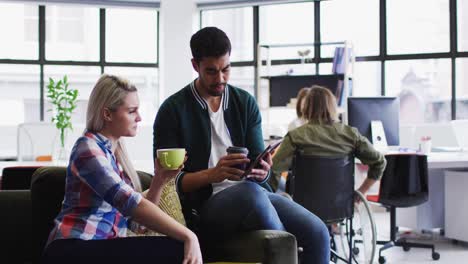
pixel 98 195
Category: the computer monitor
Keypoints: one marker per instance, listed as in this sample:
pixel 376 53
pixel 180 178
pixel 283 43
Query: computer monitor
pixel 363 110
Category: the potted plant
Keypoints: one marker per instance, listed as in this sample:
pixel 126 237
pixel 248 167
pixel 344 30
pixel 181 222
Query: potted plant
pixel 63 100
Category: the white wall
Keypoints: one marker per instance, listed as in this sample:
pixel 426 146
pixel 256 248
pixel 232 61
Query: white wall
pixel 178 22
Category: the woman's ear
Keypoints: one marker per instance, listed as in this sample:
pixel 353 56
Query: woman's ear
pixel 106 113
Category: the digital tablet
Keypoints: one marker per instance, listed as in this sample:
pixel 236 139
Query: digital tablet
pixel 270 149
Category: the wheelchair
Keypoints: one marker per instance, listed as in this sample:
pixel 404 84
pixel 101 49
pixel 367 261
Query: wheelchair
pixel 325 186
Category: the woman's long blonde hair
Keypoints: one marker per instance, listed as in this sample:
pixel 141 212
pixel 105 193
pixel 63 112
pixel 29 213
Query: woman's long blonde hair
pixel 320 106
pixel 110 92
pixel 301 96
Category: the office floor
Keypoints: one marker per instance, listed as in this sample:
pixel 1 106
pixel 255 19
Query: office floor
pixel 450 253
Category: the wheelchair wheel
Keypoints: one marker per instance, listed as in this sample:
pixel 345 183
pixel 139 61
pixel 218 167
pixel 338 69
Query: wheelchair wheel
pixel 365 235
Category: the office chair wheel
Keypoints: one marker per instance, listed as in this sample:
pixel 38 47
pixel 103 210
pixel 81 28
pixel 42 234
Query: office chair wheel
pixel 435 256
pixel 382 260
pixel 364 230
pixel 406 248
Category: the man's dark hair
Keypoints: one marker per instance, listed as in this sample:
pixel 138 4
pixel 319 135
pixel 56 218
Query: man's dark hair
pixel 209 42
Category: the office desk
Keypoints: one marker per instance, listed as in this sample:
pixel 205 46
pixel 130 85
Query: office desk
pixel 431 214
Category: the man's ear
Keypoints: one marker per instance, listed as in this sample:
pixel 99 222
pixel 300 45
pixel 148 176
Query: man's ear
pixel 195 65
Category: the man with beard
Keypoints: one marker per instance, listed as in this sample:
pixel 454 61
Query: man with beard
pixel 208 116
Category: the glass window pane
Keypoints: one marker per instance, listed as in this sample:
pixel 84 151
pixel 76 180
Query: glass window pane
pixel 355 21
pixel 238 25
pixel 20 94
pixel 287 24
pixel 19 30
pixel 462 89
pixel 147 82
pixel 424 88
pixel 131 35
pixel 418 26
pixel 325 68
pixel 82 78
pixel 367 77
pixel 243 77
pixel 462 25
pixel 72 33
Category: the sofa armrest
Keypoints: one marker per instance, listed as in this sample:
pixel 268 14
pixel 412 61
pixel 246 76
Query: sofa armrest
pixel 15 226
pixel 265 246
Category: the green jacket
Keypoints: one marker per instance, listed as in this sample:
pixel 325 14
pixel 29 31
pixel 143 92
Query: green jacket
pixel 326 140
pixel 183 122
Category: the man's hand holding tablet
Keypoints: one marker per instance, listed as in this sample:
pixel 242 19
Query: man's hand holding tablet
pixel 258 169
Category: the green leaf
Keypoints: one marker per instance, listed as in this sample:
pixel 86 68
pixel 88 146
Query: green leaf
pixel 63 100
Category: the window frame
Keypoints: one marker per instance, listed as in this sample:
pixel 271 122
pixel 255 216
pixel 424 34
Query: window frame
pixel 102 63
pixel 382 56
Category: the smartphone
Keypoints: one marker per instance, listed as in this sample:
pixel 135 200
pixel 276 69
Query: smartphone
pixel 270 149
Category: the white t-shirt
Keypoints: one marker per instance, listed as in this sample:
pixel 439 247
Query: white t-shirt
pixel 220 141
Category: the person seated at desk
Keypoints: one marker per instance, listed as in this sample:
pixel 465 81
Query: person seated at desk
pixel 299 120
pixel 323 135
pixel 102 193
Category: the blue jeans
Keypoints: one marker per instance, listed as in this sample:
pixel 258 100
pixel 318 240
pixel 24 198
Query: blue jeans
pixel 247 206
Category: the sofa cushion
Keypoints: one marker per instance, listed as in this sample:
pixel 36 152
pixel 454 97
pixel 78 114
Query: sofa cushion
pixel 170 204
pixel 15 226
pixel 47 192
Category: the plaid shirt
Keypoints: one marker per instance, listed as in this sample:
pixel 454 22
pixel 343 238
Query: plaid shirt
pixel 98 195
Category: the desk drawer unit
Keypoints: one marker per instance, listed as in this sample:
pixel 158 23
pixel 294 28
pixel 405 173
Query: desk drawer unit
pixel 456 204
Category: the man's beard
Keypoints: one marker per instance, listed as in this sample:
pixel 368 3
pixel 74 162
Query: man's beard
pixel 215 92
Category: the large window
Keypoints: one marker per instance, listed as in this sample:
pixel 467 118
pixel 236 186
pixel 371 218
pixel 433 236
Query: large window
pixel 418 26
pixel 19 31
pixel 355 21
pixel 82 78
pixel 242 77
pixel 72 33
pixel 411 58
pixel 238 25
pixel 20 94
pixel 73 47
pixel 423 87
pixel 287 24
pixel 462 88
pixel 462 15
pixel 132 35
pixel 367 79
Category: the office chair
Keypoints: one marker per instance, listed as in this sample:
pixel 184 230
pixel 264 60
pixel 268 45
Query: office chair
pixel 325 186
pixel 403 184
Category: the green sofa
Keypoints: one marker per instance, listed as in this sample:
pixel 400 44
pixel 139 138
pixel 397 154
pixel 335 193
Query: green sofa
pixel 27 218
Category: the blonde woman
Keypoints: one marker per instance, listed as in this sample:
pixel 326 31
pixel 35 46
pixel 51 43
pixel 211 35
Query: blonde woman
pixel 323 135
pixel 102 193
pixel 299 121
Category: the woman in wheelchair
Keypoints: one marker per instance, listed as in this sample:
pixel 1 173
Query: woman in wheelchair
pixel 324 136
pixel 321 154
